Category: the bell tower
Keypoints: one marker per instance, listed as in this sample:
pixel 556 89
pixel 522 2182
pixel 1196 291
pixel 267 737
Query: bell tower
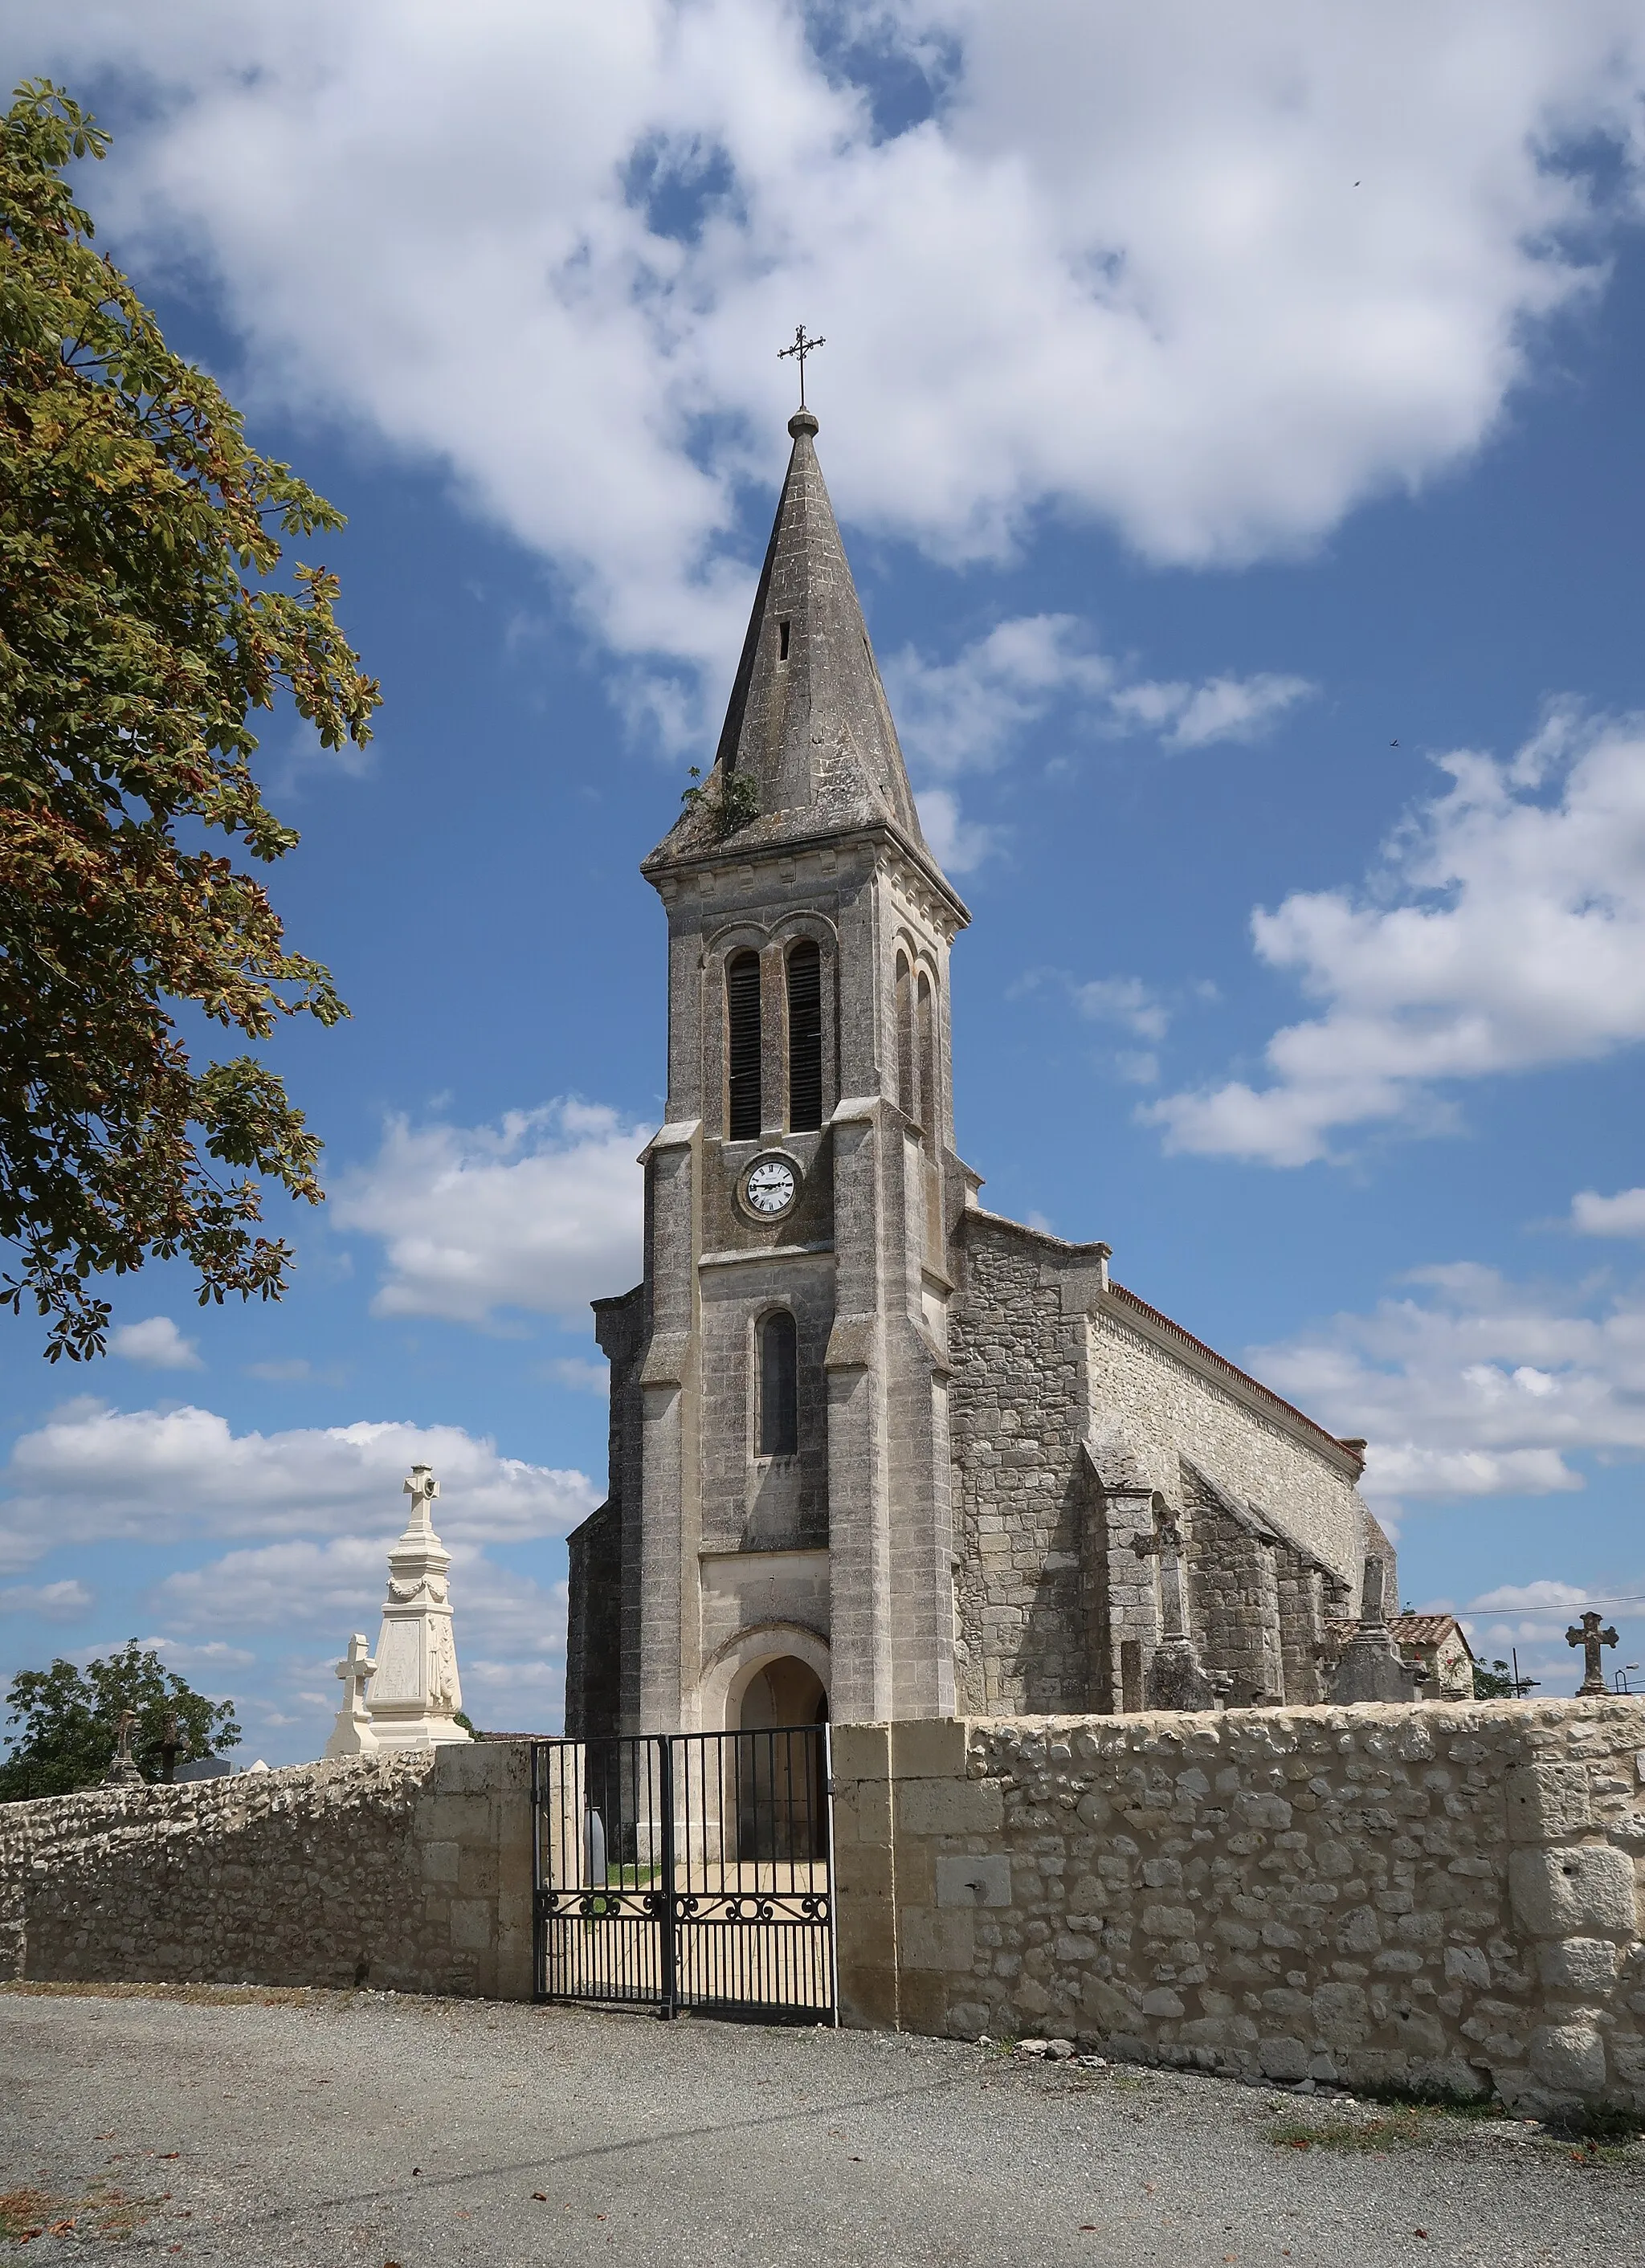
pixel 781 1463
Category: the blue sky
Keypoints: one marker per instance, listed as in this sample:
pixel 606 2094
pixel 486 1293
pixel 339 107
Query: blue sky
pixel 1234 423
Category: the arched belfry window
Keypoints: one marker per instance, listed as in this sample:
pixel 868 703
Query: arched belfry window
pixel 926 1023
pixel 742 1045
pixel 805 1037
pixel 907 1100
pixel 779 1385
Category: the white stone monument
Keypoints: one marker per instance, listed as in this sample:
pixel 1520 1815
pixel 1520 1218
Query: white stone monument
pixel 352 1735
pixel 415 1695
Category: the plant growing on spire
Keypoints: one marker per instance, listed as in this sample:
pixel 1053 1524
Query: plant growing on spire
pixel 732 804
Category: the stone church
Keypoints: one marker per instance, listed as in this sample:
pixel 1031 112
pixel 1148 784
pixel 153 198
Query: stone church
pixel 877 1452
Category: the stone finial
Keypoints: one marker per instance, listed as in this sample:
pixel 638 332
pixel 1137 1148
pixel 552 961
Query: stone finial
pixel 1105 1254
pixel 352 1735
pixel 1592 1640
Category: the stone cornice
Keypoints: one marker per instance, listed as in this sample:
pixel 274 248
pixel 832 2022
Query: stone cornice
pixel 921 871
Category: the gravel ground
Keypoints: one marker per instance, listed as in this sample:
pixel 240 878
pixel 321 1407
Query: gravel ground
pixel 326 2130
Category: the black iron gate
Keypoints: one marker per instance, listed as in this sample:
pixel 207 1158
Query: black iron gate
pixel 687 1870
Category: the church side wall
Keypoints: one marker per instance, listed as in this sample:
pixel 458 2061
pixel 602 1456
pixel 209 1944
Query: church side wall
pixel 1163 1408
pixel 1439 1897
pixel 1017 1411
pixel 409 1873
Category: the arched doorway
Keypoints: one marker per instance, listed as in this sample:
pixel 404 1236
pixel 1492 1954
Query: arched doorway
pixel 781 1791
pixel 786 1691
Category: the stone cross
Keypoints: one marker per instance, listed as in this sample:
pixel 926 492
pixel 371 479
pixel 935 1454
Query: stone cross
pixel 356 1669
pixel 422 1487
pixel 1373 1606
pixel 123 1772
pixel 1590 1638
pixel 1166 1545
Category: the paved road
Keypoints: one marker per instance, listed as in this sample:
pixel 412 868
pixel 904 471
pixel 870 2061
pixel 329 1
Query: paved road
pixel 325 2131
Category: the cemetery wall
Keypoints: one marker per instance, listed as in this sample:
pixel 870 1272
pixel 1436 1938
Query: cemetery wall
pixel 408 1873
pixel 1432 1896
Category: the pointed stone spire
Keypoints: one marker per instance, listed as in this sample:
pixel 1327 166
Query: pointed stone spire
pixel 808 730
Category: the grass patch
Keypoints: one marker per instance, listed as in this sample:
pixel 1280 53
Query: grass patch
pixel 221 1996
pixel 1399 2131
pixel 103 2211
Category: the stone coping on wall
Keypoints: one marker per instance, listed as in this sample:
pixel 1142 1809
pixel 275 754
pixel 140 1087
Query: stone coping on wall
pixel 1439 1897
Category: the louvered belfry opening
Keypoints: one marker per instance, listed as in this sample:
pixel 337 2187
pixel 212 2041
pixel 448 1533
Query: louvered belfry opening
pixel 742 1027
pixel 805 1038
pixel 779 1385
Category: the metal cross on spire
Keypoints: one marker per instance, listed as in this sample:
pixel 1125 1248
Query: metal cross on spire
pixel 801 347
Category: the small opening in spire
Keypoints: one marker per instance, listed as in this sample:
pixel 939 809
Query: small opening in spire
pixel 782 641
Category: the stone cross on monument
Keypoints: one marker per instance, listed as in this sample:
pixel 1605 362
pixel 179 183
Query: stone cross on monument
pixel 352 1735
pixel 422 1487
pixel 1591 1638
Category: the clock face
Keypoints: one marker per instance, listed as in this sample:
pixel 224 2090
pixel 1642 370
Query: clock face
pixel 769 1188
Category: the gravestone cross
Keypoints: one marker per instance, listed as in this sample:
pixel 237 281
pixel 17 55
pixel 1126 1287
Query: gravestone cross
pixel 355 1669
pixel 352 1735
pixel 1591 1638
pixel 1373 1607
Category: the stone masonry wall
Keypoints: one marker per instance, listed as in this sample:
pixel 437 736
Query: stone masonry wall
pixel 1432 1896
pixel 1017 1413
pixel 407 1872
pixel 1045 1358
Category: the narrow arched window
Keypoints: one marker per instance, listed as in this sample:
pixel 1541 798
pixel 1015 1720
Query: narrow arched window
pixel 926 1024
pixel 805 1038
pixel 779 1385
pixel 906 1097
pixel 742 1045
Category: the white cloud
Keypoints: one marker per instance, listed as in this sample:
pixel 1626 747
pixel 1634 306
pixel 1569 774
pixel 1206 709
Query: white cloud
pixel 1125 1000
pixel 215 1658
pixel 157 1344
pixel 60 1601
pixel 581 1377
pixel 91 1472
pixel 297 1370
pixel 543 1212
pixel 965 715
pixel 959 845
pixel 1504 932
pixel 1212 275
pixel 1557 1598
pixel 1474 1386
pixel 1223 709
pixel 1622 1215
